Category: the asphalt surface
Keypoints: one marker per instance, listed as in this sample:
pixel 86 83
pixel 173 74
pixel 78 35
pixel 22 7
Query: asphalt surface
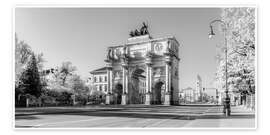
pixel 133 116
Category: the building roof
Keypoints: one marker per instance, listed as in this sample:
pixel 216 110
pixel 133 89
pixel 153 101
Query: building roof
pixel 100 70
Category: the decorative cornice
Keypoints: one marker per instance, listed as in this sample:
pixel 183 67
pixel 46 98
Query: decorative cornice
pixel 150 40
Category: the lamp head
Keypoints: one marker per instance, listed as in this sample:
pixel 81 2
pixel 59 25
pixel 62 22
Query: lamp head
pixel 211 34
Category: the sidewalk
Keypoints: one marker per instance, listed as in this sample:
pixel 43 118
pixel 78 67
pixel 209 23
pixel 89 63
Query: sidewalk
pixel 214 118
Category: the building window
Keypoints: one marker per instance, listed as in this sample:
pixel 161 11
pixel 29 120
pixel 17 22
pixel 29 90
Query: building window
pixel 105 78
pixel 100 87
pixel 100 79
pixel 105 88
pixel 95 79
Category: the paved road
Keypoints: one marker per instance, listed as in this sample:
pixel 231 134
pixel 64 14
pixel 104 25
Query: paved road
pixel 132 116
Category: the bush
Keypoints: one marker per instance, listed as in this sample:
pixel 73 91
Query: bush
pixel 81 99
pixel 47 100
pixel 97 99
pixel 55 98
pixel 64 98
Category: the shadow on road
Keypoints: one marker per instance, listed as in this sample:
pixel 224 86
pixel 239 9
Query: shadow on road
pixel 137 115
pixel 153 112
pixel 233 116
pixel 23 126
pixel 26 117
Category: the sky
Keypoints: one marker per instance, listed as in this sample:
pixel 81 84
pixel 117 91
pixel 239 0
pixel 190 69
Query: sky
pixel 82 35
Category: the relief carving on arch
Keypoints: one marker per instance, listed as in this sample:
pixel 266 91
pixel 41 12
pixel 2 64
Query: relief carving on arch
pixel 117 75
pixel 158 71
pixel 134 68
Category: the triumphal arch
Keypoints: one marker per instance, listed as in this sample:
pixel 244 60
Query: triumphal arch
pixel 144 70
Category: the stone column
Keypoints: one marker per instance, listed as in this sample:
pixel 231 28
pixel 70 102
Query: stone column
pixel 150 78
pixel 167 100
pixel 125 84
pixel 109 84
pixel 148 92
pixel 148 63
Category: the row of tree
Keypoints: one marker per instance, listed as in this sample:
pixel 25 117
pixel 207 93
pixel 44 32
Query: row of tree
pixel 35 85
pixel 240 24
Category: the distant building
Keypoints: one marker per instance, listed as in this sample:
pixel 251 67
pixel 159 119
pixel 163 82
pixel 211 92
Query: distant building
pixel 198 92
pixel 188 95
pixel 99 79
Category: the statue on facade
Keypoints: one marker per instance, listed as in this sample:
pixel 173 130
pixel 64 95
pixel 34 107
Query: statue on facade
pixel 110 54
pixel 143 31
pixel 137 33
pixel 131 34
pixel 125 55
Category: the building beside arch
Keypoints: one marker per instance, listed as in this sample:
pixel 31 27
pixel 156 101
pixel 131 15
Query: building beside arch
pixel 99 79
pixel 142 71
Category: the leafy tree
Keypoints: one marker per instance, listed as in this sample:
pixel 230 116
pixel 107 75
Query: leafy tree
pixel 79 89
pixel 22 54
pixel 62 82
pixel 40 61
pixel 78 85
pixel 30 79
pixel 57 78
pixel 65 71
pixel 241 50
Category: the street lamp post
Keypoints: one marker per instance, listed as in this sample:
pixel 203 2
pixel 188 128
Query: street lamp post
pixel 227 108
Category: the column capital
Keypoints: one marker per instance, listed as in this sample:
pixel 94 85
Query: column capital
pixel 148 62
pixel 124 65
pixel 168 59
pixel 148 58
pixel 124 58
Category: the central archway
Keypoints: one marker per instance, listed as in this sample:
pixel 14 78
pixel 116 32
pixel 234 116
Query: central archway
pixel 137 87
pixel 158 93
pixel 118 93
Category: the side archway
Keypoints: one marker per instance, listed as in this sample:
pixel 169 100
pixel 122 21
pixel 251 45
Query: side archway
pixel 158 93
pixel 118 90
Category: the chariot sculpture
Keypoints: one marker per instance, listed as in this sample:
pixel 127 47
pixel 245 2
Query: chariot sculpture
pixel 143 31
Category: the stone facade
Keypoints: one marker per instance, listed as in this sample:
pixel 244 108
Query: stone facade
pixel 143 71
